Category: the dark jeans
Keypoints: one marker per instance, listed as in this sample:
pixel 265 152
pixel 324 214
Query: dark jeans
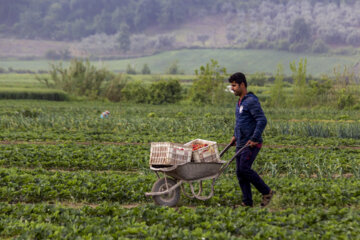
pixel 247 176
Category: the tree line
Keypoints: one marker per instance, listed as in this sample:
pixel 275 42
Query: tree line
pixel 76 19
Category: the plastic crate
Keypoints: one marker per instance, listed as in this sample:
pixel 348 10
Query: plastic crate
pixel 209 153
pixel 166 153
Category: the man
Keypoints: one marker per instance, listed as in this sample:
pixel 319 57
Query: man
pixel 250 123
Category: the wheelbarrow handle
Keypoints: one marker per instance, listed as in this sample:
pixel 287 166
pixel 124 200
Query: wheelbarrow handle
pixel 225 149
pixel 222 169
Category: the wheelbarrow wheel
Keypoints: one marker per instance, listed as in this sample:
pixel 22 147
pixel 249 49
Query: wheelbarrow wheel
pixel 169 199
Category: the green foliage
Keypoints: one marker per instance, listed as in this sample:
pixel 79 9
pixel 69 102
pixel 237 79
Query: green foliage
pixel 299 76
pixel 300 31
pixel 151 115
pixel 165 92
pixel 283 45
pixel 39 94
pixel 257 79
pixel 130 69
pixel 299 47
pixel 114 87
pixel 124 38
pixel 320 90
pixel 277 95
pixel 136 92
pixel 203 38
pixel 174 69
pixel 209 87
pixel 257 44
pixel 58 55
pixel 146 69
pixel 83 79
pixel 159 92
pixel 345 99
pixel 319 46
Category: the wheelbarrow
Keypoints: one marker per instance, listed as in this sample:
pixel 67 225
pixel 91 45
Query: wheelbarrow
pixel 166 190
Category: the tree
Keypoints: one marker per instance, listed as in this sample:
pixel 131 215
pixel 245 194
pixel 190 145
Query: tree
pixel 299 76
pixel 165 92
pixel 145 69
pixel 203 38
pixel 209 86
pixel 83 79
pixel 300 31
pixel 174 69
pixel 130 69
pixel 124 38
pixel 277 97
pixel 102 23
pixel 147 14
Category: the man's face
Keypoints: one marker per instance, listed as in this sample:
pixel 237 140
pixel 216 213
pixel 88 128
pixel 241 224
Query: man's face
pixel 237 88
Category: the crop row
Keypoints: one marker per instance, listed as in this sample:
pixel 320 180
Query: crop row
pixel 75 156
pixel 111 221
pixel 169 126
pixel 138 123
pixel 270 161
pixel 93 109
pixel 39 185
pixel 184 130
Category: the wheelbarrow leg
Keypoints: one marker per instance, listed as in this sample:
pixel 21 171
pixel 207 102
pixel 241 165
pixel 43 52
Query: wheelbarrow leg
pixel 197 196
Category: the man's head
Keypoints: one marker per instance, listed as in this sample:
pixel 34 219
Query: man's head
pixel 238 83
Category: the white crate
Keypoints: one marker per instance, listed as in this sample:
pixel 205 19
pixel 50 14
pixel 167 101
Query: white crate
pixel 209 153
pixel 167 153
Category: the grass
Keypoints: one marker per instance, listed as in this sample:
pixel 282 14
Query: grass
pixel 248 61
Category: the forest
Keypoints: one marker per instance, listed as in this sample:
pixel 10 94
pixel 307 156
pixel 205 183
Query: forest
pixel 285 24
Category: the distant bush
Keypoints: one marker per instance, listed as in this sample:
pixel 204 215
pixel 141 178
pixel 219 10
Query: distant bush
pixel 165 92
pixel 136 92
pixel 353 38
pixel 209 86
pixel 146 69
pixel 114 87
pixel 58 55
pixel 283 45
pixel 174 69
pixel 299 47
pixel 130 69
pixel 345 99
pixel 344 51
pixel 257 44
pixel 2 70
pixel 257 79
pixel 319 46
pixel 82 79
pixel 157 93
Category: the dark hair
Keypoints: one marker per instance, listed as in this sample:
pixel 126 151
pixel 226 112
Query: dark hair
pixel 238 78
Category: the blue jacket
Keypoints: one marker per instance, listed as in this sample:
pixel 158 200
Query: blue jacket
pixel 250 120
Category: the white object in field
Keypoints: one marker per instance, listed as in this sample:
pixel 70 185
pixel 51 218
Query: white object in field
pixel 105 114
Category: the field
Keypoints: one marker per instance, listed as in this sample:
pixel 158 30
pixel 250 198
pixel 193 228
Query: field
pixel 66 174
pixel 249 61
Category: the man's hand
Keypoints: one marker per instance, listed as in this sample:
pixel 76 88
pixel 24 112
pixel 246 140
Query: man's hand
pixel 233 141
pixel 251 143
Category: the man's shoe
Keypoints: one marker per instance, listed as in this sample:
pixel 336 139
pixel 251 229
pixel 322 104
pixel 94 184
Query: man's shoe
pixel 267 198
pixel 246 205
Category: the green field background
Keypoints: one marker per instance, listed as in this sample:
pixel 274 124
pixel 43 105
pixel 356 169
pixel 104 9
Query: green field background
pixel 248 61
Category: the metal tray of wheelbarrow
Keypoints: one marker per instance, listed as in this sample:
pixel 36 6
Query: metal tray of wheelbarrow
pixel 191 170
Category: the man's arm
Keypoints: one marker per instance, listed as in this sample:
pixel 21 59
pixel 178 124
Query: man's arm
pixel 259 116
